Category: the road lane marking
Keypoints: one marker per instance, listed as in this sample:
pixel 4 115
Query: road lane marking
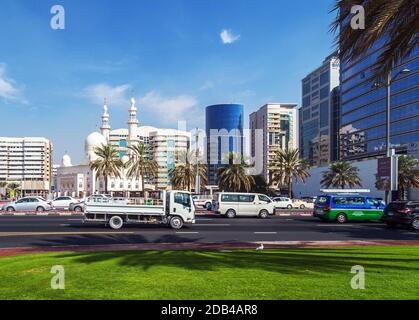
pixel 264 232
pixel 65 225
pixel 212 224
pixel 335 225
pixel 185 232
pixel 9 234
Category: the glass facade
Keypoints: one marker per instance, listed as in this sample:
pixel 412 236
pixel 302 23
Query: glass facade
pixel 363 107
pixel 317 111
pixel 224 131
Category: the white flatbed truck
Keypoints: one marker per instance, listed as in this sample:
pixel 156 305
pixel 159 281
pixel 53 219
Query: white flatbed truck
pixel 172 208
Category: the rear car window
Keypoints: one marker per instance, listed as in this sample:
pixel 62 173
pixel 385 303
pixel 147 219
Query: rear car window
pixel 397 205
pixel 322 200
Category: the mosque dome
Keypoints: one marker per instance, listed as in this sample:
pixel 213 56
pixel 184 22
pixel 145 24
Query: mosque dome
pixel 93 141
pixel 66 161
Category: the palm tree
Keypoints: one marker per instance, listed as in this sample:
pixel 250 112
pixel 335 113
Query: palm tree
pixel 141 164
pixel 13 187
pixel 286 166
pixel 340 175
pixel 408 174
pixel 233 177
pixel 394 20
pixel 108 164
pixel 183 175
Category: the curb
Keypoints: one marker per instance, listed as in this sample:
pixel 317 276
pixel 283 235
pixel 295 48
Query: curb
pixel 40 214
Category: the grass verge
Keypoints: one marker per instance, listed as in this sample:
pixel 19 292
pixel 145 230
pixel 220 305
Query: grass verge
pixel 312 273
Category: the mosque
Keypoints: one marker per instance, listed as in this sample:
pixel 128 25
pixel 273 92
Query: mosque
pixel 80 181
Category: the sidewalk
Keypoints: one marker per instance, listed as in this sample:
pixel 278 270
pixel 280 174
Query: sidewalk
pixel 207 246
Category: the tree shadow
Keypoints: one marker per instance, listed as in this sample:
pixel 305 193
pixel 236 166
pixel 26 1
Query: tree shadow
pixel 286 261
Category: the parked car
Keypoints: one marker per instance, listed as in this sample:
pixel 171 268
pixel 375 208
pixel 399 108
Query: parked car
pixel 232 205
pixel 283 203
pixel 202 201
pixel 302 204
pixel 402 213
pixel 342 208
pixel 63 202
pixel 28 204
pixel 76 206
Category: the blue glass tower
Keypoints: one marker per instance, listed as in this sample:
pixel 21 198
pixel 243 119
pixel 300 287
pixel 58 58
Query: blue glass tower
pixel 224 131
pixel 363 106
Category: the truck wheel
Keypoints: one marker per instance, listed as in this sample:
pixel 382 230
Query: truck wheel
pixel 208 206
pixel 176 223
pixel 116 222
pixel 341 218
pixel 263 214
pixel 230 213
pixel 289 206
pixel 302 206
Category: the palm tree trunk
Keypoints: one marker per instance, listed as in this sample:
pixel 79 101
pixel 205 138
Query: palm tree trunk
pixel 142 185
pixel 290 189
pixel 106 185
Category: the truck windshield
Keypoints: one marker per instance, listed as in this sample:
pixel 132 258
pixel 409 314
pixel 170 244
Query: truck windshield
pixel 183 199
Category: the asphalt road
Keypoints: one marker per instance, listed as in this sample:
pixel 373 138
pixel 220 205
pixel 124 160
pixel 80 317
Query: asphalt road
pixel 31 231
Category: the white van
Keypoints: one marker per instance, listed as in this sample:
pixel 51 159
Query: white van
pixel 232 204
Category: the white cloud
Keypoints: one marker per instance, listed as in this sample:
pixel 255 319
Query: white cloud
pixel 116 96
pixel 169 109
pixel 228 37
pixel 8 88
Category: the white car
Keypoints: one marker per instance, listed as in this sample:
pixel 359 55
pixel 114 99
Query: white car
pixel 235 204
pixel 63 202
pixel 301 204
pixel 202 201
pixel 283 203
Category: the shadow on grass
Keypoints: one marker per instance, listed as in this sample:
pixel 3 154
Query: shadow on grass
pixel 287 261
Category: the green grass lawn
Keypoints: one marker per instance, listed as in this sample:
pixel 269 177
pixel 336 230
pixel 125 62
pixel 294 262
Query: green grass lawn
pixel 312 273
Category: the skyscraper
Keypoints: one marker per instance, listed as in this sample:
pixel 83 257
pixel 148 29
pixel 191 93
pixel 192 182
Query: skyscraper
pixel 224 131
pixel 363 106
pixel 272 127
pixel 317 112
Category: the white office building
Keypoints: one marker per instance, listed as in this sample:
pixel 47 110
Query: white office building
pixel 27 162
pixel 272 127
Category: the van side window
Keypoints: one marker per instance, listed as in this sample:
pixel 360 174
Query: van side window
pixel 246 198
pixel 372 202
pixel 340 200
pixel 229 198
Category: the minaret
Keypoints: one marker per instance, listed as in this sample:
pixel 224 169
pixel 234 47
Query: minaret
pixel 132 123
pixel 106 128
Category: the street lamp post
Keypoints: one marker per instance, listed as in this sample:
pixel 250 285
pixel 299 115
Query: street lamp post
pixel 389 153
pixel 197 177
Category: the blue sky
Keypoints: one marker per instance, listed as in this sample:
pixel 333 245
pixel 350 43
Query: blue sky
pixel 172 55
